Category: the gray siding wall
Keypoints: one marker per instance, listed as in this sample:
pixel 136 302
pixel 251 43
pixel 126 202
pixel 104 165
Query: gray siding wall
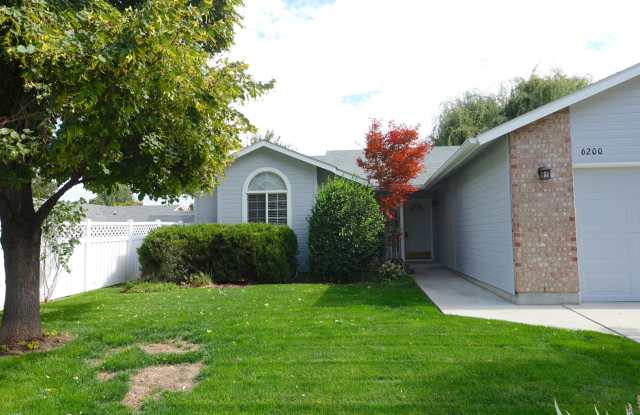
pixel 443 226
pixel 206 208
pixel 472 216
pixel 609 121
pixel 303 180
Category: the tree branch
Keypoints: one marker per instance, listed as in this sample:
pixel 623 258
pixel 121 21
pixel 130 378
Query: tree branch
pixel 20 117
pixel 46 207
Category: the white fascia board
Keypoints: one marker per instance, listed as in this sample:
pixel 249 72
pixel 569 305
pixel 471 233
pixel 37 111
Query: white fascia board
pixel 298 156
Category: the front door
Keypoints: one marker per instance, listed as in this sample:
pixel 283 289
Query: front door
pixel 417 229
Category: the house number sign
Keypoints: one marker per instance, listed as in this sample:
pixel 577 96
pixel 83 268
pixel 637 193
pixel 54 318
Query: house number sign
pixel 592 151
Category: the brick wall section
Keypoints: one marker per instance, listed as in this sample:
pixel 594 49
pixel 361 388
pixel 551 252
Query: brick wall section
pixel 543 213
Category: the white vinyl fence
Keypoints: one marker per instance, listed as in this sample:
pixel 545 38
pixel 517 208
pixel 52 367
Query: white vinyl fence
pixel 106 255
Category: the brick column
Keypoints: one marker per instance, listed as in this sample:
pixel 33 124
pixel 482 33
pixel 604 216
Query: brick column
pixel 543 213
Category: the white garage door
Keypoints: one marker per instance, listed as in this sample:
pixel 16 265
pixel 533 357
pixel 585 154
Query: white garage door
pixel 608 233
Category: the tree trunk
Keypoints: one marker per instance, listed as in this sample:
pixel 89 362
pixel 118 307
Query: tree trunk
pixel 21 245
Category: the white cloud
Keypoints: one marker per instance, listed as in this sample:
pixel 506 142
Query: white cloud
pixel 413 54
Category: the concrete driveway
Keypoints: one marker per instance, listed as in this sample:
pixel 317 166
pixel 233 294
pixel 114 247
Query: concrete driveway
pixel 454 295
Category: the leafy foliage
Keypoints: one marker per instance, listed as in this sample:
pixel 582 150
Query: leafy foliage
pixel 134 95
pixel 270 137
pixel 120 195
pixel 228 253
pixel 392 159
pixel 467 116
pixel 473 113
pixel 390 271
pixel 529 94
pixel 346 231
pixel 199 279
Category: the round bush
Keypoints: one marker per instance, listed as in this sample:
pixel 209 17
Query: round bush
pixel 346 232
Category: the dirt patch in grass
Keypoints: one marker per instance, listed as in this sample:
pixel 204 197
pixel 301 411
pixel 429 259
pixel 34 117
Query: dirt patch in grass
pixel 100 360
pixel 170 347
pixel 105 376
pixel 156 379
pixel 41 344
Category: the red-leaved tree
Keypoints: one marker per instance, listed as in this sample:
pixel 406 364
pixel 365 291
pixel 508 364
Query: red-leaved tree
pixel 392 158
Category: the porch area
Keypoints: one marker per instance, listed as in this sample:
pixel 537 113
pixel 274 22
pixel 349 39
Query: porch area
pixel 409 236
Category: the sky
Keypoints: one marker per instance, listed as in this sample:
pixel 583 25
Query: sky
pixel 339 63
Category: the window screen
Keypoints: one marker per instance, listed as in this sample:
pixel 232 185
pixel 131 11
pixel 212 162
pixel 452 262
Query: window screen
pixel 256 207
pixel 277 208
pixel 267 199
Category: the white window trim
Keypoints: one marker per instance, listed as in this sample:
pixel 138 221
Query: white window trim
pixel 246 191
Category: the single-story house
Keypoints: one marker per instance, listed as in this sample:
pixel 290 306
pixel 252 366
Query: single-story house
pixel 543 209
pixel 142 213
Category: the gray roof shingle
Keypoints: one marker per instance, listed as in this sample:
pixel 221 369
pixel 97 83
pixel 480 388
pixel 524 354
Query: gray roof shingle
pixel 149 213
pixel 346 160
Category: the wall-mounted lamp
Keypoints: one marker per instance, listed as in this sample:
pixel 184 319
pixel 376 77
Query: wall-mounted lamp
pixel 544 173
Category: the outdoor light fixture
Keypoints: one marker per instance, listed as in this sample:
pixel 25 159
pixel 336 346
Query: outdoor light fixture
pixel 544 173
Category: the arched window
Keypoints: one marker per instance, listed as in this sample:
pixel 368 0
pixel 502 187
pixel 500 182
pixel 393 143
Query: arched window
pixel 266 198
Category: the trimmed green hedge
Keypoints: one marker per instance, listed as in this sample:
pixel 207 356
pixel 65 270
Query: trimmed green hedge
pixel 252 252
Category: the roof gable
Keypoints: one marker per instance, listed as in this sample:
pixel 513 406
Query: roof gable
pixel 301 157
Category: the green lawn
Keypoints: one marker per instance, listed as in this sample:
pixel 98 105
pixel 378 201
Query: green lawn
pixel 318 349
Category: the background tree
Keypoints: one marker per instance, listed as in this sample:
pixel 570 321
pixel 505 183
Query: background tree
pixel 529 94
pixel 473 113
pixel 120 195
pixel 271 137
pixel 467 116
pixel 392 158
pixel 97 95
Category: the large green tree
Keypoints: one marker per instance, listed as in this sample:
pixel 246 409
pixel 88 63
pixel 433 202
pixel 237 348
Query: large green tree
pixel 467 116
pixel 98 93
pixel 473 113
pixel 537 90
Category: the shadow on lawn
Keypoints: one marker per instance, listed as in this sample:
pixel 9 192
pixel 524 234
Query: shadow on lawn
pixel 395 294
pixel 68 311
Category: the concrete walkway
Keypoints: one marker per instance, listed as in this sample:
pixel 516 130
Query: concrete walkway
pixel 456 296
